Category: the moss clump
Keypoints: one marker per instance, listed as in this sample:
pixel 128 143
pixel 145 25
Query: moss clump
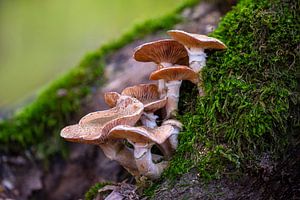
pixel 252 101
pixel 39 123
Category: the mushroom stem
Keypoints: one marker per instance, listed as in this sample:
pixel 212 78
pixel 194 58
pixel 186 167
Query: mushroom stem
pixel 116 150
pixel 166 64
pixel 144 162
pixel 162 88
pixel 149 120
pixel 197 58
pixel 173 97
pixel 161 82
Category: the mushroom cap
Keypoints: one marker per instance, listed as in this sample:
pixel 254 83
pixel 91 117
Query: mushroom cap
pixel 175 73
pixel 148 94
pixel 196 40
pixel 86 134
pixel 111 98
pixel 94 127
pixel 142 134
pixel 161 51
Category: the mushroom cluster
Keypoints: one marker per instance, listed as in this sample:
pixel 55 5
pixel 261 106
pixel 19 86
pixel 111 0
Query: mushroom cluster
pixel 140 117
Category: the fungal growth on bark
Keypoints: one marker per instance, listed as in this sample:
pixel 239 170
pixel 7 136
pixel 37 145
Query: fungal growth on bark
pixel 118 131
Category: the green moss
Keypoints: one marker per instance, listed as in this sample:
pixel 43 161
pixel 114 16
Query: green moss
pixel 93 191
pixel 251 101
pixel 37 126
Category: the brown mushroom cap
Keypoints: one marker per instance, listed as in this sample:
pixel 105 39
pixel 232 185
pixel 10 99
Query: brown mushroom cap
pixel 143 92
pixel 157 135
pixel 148 94
pixel 94 127
pixel 168 51
pixel 196 40
pixel 175 73
pixel 111 98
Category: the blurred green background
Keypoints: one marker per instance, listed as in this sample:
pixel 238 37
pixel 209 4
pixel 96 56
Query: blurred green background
pixel 39 40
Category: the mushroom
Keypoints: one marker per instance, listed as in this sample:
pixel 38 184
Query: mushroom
pixel 165 53
pixel 147 94
pixel 142 139
pixel 195 45
pixel 174 77
pixel 94 129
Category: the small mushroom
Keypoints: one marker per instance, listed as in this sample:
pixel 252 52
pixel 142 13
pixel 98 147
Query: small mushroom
pixel 174 76
pixel 142 139
pixel 147 94
pixel 195 45
pixel 94 129
pixel 165 53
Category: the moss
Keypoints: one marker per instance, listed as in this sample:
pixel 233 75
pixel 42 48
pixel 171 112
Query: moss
pixel 93 191
pixel 252 99
pixel 37 125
